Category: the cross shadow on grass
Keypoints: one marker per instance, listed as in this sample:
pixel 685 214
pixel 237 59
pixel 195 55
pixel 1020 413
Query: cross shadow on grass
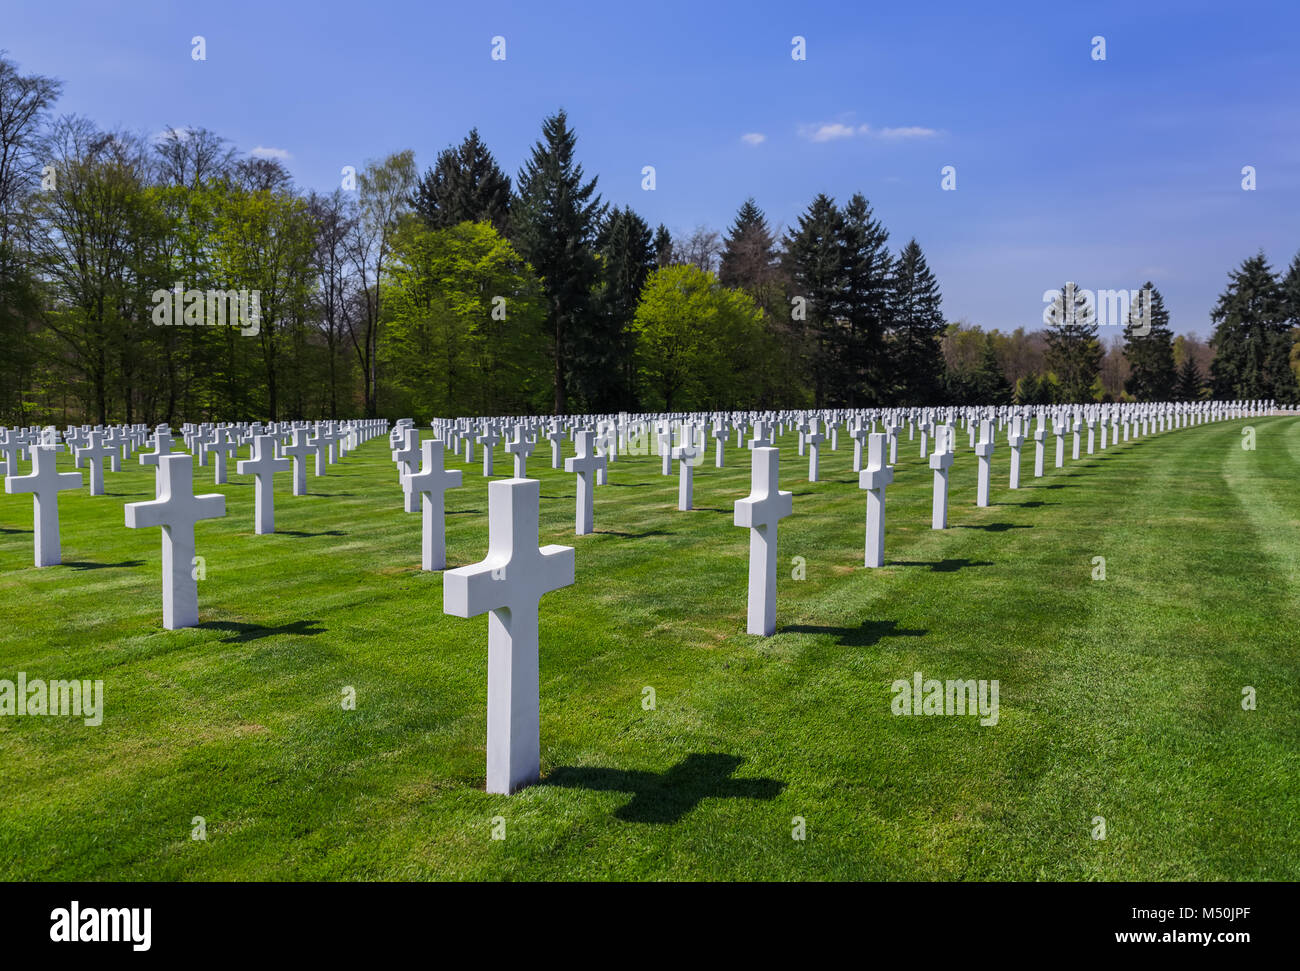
pixel 300 533
pixel 667 797
pixel 243 633
pixel 866 634
pixel 5 529
pixel 941 566
pixel 88 565
pixel 994 527
pixel 651 532
pixel 1031 504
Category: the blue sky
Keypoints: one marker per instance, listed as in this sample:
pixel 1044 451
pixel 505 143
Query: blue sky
pixel 1108 173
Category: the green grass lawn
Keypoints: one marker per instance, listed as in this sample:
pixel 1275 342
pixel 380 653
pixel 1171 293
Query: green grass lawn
pixel 1119 698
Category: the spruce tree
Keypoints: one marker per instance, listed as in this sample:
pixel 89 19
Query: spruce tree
pixel 1149 348
pixel 814 262
pixel 917 324
pixel 603 367
pixel 663 247
pixel 555 221
pixel 1190 382
pixel 989 383
pixel 1252 336
pixel 464 185
pixel 1073 348
pixel 864 302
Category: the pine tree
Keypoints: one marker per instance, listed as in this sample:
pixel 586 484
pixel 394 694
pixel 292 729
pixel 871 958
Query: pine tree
pixel 663 247
pixel 1149 348
pixel 603 368
pixel 864 301
pixel 917 324
pixel 1190 382
pixel 555 221
pixel 814 261
pixel 1252 336
pixel 465 185
pixel 1073 348
pixel 989 383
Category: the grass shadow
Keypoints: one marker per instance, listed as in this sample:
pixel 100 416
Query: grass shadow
pixel 243 633
pixel 941 566
pixel 88 565
pixel 995 527
pixel 667 797
pixel 865 634
pixel 299 532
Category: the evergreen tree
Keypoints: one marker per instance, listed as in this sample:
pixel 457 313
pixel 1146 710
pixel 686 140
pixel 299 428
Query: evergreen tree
pixel 864 302
pixel 604 372
pixel 1073 348
pixel 1252 337
pixel 663 247
pixel 556 219
pixel 1190 382
pixel 464 185
pixel 814 261
pixel 1149 348
pixel 917 324
pixel 989 384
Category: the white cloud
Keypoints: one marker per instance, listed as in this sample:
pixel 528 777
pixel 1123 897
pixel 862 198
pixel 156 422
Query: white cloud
pixel 262 152
pixel 753 138
pixel 834 131
pixel 909 131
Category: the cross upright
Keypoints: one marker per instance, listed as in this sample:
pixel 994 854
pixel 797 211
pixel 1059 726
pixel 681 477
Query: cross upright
pixel 406 456
pixel 583 464
pixel 760 512
pixel 941 462
pixel 1040 439
pixel 488 440
pixel 859 434
pixel 984 450
pixel 430 483
pixel 44 482
pixel 720 444
pixel 299 451
pixel 814 439
pixel 95 452
pixel 762 436
pixel 176 510
pixel 687 454
pixel 509 583
pixel 556 437
pixel 1058 428
pixel 323 443
pixel 263 466
pixel 10 446
pixel 222 446
pixel 1016 439
pixel 162 445
pixel 875 478
pixel 520 448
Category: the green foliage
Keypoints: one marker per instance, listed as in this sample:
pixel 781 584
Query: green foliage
pixel 698 343
pixel 1150 356
pixel 464 185
pixel 464 324
pixel 916 367
pixel 1074 350
pixel 1252 335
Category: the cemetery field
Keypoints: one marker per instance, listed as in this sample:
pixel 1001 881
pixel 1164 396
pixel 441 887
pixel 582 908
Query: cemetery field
pixel 1119 697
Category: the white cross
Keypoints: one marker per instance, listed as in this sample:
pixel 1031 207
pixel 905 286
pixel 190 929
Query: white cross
pixel 96 452
pixel 941 462
pixel 875 478
pixel 430 483
pixel 814 440
pixel 488 440
pixel 299 451
pixel 510 582
pixel 162 445
pixel 323 443
pixel 720 437
pixel 687 455
pixel 263 466
pixel 583 464
pixel 406 457
pixel 176 510
pixel 520 448
pixel 222 446
pixel 760 512
pixel 556 437
pixel 761 437
pixel 10 446
pixel 1015 438
pixel 984 450
pixel 44 482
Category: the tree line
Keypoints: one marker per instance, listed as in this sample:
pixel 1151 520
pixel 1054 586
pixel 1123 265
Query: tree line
pixel 460 290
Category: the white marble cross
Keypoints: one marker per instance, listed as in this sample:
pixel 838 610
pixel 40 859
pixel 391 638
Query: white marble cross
pixel 814 439
pixel 941 462
pixel 762 436
pixel 488 440
pixel 406 457
pixel 96 451
pixel 720 449
pixel 556 437
pixel 1058 428
pixel 760 512
pixel 687 455
pixel 299 451
pixel 1040 439
pixel 430 483
pixel 162 445
pixel 1015 439
pixel 583 464
pixel 520 448
pixel 509 582
pixel 176 510
pixel 44 482
pixel 875 478
pixel 263 466
pixel 222 446
pixel 984 450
